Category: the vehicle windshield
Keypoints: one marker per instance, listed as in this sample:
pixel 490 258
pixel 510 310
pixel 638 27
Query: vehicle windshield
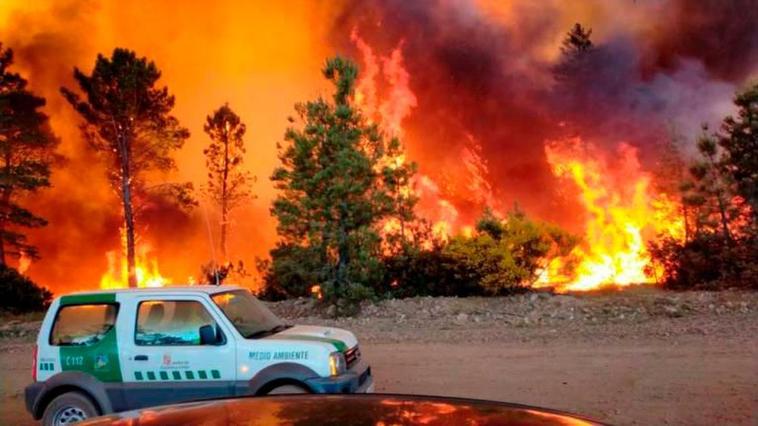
pixel 248 315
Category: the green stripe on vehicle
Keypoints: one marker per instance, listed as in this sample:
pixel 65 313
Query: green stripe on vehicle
pixel 338 344
pixel 83 299
pixel 176 375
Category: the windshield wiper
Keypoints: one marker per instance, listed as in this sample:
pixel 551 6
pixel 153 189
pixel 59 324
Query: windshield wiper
pixel 268 332
pixel 280 327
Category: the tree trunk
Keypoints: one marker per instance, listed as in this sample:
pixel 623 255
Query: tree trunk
pixel 343 252
pixel 224 196
pixel 685 214
pixel 720 200
pixel 2 244
pixel 724 220
pixel 6 200
pixel 126 198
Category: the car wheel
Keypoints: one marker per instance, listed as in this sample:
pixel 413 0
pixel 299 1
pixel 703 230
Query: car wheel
pixel 68 408
pixel 287 390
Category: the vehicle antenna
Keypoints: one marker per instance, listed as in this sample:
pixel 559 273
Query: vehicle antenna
pixel 212 245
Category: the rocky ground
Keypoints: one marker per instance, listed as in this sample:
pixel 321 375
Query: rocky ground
pixel 639 356
pixel 634 313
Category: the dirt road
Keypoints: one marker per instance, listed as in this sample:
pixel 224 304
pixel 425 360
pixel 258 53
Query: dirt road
pixel 696 368
pixel 682 384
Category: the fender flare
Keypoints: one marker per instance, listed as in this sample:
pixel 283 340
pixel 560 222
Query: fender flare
pixel 282 371
pixel 73 380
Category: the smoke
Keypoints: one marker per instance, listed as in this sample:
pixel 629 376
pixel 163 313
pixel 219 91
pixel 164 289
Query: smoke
pixel 485 71
pixel 721 36
pixel 481 72
pixel 259 57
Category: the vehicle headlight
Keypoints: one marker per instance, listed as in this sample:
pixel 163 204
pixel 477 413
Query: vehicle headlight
pixel 337 364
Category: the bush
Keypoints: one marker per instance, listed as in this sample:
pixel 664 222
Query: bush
pixel 502 257
pixel 506 256
pixel 706 262
pixel 427 273
pixel 18 294
pixel 292 272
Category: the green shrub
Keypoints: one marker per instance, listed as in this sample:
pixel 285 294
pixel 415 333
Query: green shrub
pixel 427 273
pixel 506 256
pixel 706 262
pixel 19 294
pixel 292 271
pixel 502 257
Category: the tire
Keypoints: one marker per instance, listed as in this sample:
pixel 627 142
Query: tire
pixel 68 408
pixel 287 390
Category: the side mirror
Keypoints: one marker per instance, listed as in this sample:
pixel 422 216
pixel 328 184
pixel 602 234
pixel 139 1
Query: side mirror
pixel 207 335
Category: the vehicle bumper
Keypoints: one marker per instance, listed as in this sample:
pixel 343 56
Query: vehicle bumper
pixel 357 379
pixel 31 394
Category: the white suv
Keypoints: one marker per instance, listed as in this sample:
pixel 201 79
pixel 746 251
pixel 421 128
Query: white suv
pixel 110 351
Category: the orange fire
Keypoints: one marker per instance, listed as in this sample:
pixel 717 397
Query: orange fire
pixel 117 275
pixel 389 109
pixel 622 215
pixel 622 212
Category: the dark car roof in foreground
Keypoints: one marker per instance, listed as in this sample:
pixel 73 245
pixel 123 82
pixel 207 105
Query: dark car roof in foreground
pixel 367 409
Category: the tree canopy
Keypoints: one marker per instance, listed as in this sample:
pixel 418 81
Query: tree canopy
pixel 127 118
pixel 27 150
pixel 228 184
pixel 337 183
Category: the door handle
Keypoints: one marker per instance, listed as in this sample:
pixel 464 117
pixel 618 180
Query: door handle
pixel 140 358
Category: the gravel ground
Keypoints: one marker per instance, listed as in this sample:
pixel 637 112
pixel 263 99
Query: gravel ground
pixel 640 356
pixel 638 313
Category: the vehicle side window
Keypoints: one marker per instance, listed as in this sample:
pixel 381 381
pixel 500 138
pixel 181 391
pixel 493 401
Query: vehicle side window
pixel 82 325
pixel 164 323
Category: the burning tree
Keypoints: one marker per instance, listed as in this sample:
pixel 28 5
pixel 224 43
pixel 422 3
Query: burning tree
pixel 128 119
pixel 27 147
pixel 506 255
pixel 739 140
pixel 575 47
pixel 228 185
pixel 709 191
pixel 721 192
pixel 336 188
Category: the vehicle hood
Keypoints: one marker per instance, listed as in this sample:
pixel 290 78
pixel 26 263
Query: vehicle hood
pixel 340 339
pixel 343 409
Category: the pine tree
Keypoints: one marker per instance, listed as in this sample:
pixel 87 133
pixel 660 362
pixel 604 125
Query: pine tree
pixel 128 119
pixel 577 41
pixel 337 185
pixel 672 176
pixel 710 190
pixel 575 50
pixel 27 147
pixel 228 185
pixel 739 142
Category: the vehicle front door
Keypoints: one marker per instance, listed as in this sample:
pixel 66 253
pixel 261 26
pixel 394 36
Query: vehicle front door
pixel 168 361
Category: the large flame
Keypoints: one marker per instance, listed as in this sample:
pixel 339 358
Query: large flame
pixel 622 215
pixel 389 108
pixel 467 86
pixel 146 268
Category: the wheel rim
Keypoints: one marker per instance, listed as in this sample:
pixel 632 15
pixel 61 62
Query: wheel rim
pixel 69 415
pixel 287 390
